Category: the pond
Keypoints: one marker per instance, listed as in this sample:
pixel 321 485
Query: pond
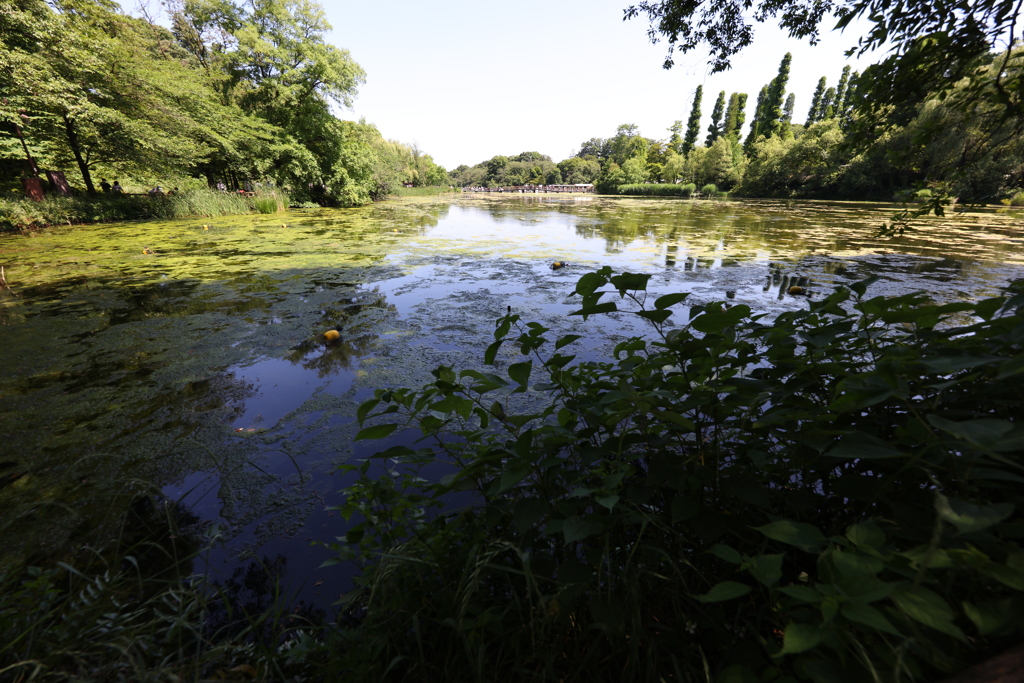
pixel 186 357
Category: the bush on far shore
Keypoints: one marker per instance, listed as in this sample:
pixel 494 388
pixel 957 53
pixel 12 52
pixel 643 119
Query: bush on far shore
pixel 658 190
pixel 24 214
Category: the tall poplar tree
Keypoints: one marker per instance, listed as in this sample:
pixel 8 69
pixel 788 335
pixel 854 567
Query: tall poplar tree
pixel 814 113
pixel 715 130
pixel 787 116
pixel 693 125
pixel 774 100
pixel 846 116
pixel 844 81
pixel 827 101
pixel 733 112
pixel 757 124
pixel 741 114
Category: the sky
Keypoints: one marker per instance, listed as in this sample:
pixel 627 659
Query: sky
pixel 466 81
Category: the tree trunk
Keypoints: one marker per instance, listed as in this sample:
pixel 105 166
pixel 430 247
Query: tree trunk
pixel 76 149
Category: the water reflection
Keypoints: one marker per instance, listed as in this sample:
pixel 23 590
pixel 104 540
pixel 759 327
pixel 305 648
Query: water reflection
pixel 129 367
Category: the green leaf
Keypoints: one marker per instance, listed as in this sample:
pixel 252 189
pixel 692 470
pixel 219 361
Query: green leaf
pixel 969 517
pixel 630 281
pixel 927 607
pixel 726 553
pixel 863 446
pixel 590 283
pixel 801 593
pixel 866 535
pixel 988 434
pixel 767 569
pixel 528 511
pixel 513 474
pixel 667 300
pixel 375 432
pixel 655 316
pixel 726 590
pixel 578 528
pixel 800 638
pixel 867 615
pixel 803 536
pixel 607 501
pixel 988 617
pixel 520 372
pixel 862 286
pixel 491 352
pixel 1005 575
pixel 567 339
pixel 364 409
pixel 853 564
pixel 607 307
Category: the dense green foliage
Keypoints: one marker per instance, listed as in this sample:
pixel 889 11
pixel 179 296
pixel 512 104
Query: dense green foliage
pixel 956 142
pixel 658 190
pixel 234 94
pixel 832 495
pixel 19 214
pixel 527 168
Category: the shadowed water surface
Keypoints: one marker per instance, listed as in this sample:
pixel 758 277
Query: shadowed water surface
pixel 199 369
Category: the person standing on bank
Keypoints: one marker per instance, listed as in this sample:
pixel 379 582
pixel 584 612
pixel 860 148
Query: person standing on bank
pixel 104 185
pixel 117 189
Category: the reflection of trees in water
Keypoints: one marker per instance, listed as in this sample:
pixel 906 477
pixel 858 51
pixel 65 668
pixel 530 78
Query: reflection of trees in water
pixel 407 218
pixel 355 329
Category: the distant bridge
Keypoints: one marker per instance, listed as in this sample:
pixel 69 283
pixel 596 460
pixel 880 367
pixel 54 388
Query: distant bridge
pixel 534 189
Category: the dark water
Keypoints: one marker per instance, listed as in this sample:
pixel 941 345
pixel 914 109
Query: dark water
pixel 198 371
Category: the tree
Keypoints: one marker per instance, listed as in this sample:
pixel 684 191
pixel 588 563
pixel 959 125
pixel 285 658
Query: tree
pixel 599 148
pixel 105 90
pixel 576 170
pixel 827 104
pixel 772 123
pixel 735 115
pixel 628 144
pixel 849 102
pixel 814 113
pixel 932 47
pixel 715 130
pixel 676 141
pixel 634 171
pixel 787 115
pixel 844 81
pixel 693 124
pixel 757 125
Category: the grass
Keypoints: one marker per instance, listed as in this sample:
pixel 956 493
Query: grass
pixel 135 612
pixel 25 214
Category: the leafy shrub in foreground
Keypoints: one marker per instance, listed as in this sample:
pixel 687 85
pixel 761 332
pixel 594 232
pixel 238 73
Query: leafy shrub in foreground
pixel 833 495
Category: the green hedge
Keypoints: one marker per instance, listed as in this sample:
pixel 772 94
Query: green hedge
pixel 658 190
pixel 21 214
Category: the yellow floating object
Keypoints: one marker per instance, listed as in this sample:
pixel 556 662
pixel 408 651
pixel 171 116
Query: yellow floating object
pixel 797 290
pixel 331 335
pixel 147 250
pixel 206 227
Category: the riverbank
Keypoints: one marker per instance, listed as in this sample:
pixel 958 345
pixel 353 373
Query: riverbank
pixel 24 214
